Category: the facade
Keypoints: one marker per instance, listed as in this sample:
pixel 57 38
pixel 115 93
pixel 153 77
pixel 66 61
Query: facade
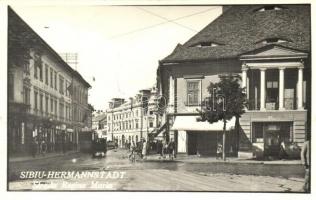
pixel 133 119
pixel 269 47
pixel 99 124
pixel 40 100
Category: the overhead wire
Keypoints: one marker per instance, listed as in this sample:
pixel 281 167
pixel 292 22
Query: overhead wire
pixel 162 23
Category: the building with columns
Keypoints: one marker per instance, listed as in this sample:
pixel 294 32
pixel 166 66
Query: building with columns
pixel 269 47
pixel 43 94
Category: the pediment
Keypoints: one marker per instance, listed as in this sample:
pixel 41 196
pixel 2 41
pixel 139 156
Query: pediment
pixel 274 52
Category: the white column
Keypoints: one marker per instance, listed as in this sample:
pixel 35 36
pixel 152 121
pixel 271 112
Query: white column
pixel 244 78
pixel 262 88
pixel 244 81
pixel 300 89
pixel 171 92
pixel 281 88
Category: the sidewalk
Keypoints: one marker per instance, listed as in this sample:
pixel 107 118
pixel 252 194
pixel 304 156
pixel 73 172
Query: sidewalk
pixel 38 157
pixel 196 159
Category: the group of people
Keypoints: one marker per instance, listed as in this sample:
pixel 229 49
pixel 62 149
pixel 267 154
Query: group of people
pixel 39 146
pixel 166 148
pixel 142 148
pixel 139 148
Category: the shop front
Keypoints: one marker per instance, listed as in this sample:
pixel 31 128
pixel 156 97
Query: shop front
pixel 271 137
pixel 202 138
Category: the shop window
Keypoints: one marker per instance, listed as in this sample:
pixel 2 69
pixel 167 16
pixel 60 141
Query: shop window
pixel 257 132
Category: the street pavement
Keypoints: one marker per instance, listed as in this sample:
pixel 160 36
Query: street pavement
pixel 79 171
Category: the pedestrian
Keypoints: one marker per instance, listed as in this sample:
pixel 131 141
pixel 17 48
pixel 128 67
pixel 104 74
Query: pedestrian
pixel 43 147
pixel 219 151
pixel 159 147
pixel 144 149
pixel 165 149
pixel 34 147
pixel 171 149
pixel 305 157
pixel 282 153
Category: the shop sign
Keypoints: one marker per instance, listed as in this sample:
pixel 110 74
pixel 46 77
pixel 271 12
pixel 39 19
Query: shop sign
pixel 273 127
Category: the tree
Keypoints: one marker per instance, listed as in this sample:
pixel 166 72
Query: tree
pixel 90 107
pixel 227 100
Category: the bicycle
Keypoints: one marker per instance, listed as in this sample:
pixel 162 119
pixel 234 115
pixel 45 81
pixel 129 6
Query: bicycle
pixel 135 153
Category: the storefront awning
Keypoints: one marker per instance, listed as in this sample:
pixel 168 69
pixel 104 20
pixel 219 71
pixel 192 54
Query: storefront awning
pixel 189 123
pixel 69 130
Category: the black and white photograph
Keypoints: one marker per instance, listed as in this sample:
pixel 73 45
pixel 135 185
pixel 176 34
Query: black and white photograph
pixel 159 98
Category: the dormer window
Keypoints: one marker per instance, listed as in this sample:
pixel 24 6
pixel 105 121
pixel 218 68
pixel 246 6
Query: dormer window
pixel 273 40
pixel 269 7
pixel 206 44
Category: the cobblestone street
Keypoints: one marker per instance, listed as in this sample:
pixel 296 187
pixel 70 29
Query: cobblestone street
pixel 121 174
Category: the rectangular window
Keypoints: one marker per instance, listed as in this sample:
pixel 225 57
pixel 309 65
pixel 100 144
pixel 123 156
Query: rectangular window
pixel 11 86
pixel 35 100
pixel 35 70
pixel 41 72
pixel 151 124
pixel 55 80
pixel 61 111
pixel 52 105
pixel 46 104
pixel 61 84
pixel 51 78
pixel 193 93
pixel 55 108
pixel 257 132
pixel 46 74
pixel 66 112
pixel 26 96
pixel 41 103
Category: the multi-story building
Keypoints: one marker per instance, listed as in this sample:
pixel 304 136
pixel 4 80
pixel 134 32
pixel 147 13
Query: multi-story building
pixel 99 124
pixel 269 46
pixel 133 119
pixel 40 87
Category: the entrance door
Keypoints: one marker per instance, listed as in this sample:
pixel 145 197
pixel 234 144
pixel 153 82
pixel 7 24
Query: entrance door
pixel 192 143
pixel 271 143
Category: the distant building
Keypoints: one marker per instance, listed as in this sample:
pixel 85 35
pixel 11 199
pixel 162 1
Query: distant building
pixel 269 46
pixel 133 119
pixel 47 99
pixel 99 124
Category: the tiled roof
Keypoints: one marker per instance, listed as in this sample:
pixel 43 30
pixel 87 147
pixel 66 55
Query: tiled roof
pixel 241 29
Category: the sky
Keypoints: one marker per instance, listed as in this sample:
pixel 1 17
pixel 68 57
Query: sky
pixel 118 46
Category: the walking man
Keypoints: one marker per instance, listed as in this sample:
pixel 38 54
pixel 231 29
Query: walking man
pixel 144 149
pixel 305 157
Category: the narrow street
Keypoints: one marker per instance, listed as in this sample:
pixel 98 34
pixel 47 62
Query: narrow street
pixel 121 174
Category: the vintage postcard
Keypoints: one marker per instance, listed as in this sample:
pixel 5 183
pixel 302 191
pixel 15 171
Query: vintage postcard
pixel 206 98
